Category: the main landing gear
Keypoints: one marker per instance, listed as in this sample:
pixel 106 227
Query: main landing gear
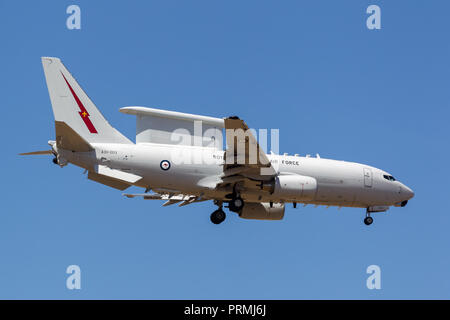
pixel 235 204
pixel 368 220
pixel 218 216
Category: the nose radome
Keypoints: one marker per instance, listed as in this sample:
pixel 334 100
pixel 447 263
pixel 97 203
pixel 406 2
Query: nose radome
pixel 407 192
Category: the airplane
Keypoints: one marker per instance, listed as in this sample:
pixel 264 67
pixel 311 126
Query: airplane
pixel 181 158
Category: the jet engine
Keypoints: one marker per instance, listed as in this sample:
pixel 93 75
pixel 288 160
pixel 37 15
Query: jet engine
pixel 262 211
pixel 295 187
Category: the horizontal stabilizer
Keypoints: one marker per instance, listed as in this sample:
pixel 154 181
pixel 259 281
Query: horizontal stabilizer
pixel 36 153
pixel 117 174
pixel 113 178
pixel 107 181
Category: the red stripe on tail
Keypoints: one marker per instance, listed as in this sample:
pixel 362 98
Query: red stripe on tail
pixel 84 114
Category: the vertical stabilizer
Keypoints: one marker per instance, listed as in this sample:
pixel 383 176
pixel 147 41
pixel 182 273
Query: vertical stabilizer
pixel 72 106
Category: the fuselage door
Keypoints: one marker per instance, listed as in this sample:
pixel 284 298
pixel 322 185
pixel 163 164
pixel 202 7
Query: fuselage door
pixel 367 177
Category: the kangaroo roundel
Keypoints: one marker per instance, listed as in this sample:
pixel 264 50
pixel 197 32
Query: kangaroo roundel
pixel 165 165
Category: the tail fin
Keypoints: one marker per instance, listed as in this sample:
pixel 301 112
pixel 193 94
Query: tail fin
pixel 72 108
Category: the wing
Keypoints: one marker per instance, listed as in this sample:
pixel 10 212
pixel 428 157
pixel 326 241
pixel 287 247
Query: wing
pixel 170 198
pixel 245 164
pixel 245 161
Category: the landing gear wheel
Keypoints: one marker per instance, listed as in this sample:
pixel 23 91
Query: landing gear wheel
pixel 236 204
pixel 218 216
pixel 368 221
pixel 55 160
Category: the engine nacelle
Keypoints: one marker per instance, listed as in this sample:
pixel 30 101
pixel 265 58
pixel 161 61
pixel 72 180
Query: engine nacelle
pixel 295 187
pixel 262 211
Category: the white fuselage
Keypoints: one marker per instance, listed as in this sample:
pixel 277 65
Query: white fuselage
pixel 339 183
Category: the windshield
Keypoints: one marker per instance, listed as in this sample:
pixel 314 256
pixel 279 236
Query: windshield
pixel 388 177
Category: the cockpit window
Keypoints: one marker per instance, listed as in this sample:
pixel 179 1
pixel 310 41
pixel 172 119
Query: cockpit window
pixel 387 177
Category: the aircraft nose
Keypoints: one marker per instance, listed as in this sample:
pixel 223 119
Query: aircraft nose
pixel 407 192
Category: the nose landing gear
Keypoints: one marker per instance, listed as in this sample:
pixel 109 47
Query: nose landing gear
pixel 368 220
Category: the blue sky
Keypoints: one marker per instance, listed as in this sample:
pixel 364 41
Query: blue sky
pixel 310 68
